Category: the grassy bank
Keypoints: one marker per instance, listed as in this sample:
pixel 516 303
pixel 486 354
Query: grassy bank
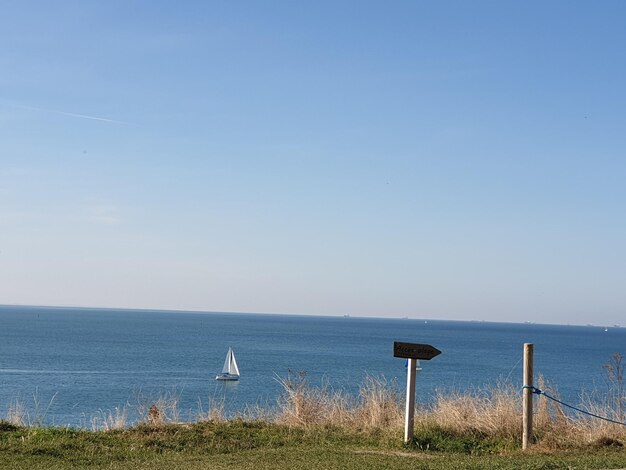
pixel 261 445
pixel 320 428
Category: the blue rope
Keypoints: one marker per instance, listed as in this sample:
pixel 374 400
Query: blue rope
pixel 541 392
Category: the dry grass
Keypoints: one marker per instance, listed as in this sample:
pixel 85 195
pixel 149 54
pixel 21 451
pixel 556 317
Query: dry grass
pixel 214 413
pixel 110 420
pixel 19 414
pixel 160 410
pixel 493 413
pixel 16 413
pixel 301 405
pixel 593 431
pixel 377 406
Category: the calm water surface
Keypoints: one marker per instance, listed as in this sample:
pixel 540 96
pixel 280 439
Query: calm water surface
pixel 93 360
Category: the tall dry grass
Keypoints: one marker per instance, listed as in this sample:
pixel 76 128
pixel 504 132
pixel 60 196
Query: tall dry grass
pixel 610 404
pixel 19 414
pixel 376 407
pixel 302 405
pixel 215 410
pixel 110 420
pixel 160 410
pixel 492 412
pixel 16 413
pixel 379 404
pixel 590 430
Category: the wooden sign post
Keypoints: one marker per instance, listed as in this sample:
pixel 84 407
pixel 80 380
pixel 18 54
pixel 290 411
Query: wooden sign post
pixel 412 352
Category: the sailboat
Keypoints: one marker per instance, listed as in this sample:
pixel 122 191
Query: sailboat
pixel 230 371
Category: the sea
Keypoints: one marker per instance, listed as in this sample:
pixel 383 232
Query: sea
pixel 70 366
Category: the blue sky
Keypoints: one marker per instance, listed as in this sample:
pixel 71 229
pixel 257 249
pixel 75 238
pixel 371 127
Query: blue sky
pixel 453 160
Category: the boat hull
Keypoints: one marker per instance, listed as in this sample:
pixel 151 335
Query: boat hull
pixel 230 377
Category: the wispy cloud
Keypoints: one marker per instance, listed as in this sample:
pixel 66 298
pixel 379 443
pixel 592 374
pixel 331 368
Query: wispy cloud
pixel 66 113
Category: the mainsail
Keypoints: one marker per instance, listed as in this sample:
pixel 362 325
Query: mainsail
pixel 230 364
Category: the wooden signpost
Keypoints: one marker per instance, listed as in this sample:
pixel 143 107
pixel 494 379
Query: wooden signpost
pixel 412 352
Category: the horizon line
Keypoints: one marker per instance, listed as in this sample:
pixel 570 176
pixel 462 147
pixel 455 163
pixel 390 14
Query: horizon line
pixel 338 315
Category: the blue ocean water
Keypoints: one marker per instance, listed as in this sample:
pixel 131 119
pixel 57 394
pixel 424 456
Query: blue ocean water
pixel 77 362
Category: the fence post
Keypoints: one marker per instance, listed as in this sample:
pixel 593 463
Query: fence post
pixel 527 397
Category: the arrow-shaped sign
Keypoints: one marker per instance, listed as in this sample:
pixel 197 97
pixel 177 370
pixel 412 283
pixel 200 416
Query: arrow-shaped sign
pixel 414 350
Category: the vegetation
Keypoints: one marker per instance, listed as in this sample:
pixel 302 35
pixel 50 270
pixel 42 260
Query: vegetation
pixel 319 428
pixel 242 444
pixel 490 417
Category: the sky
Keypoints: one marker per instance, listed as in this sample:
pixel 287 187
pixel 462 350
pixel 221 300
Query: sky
pixel 448 160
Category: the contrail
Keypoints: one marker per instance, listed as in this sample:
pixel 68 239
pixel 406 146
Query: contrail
pixel 65 113
pixel 84 116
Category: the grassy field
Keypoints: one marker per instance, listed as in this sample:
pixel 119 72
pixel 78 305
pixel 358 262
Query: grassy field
pixel 261 445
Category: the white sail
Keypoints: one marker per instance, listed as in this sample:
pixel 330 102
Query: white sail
pixel 233 364
pixel 230 364
pixel 226 368
pixel 230 371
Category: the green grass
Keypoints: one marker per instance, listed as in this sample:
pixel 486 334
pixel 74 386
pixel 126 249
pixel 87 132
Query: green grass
pixel 260 445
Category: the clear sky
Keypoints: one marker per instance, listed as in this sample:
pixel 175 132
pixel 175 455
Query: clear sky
pixel 451 160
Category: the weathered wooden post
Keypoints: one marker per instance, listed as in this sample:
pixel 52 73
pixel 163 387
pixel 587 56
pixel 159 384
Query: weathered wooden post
pixel 527 396
pixel 412 352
